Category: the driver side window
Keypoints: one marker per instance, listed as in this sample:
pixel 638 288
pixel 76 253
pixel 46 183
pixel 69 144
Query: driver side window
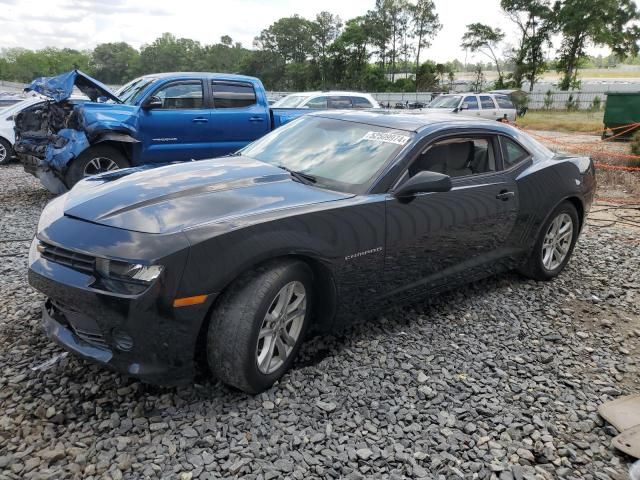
pixel 470 103
pixel 181 96
pixel 457 157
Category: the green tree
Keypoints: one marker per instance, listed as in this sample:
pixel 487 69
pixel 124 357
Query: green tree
pixel 484 39
pixel 168 53
pixel 114 63
pixel 349 55
pixel 609 23
pixel 426 25
pixel 268 66
pixel 290 37
pixel 325 30
pixel 426 78
pixel 535 22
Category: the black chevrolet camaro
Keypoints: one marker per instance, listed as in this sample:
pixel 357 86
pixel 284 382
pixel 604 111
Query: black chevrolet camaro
pixel 332 216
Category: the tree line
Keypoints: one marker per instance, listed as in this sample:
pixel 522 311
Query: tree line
pixel 381 50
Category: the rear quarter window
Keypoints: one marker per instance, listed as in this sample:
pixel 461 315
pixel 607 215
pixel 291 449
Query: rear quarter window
pixel 504 102
pixel 512 153
pixel 361 102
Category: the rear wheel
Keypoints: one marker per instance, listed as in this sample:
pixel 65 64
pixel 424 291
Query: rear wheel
pixel 6 152
pixel 555 244
pixel 259 325
pixel 95 160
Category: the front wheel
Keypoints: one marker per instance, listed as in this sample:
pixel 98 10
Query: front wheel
pixel 94 160
pixel 259 325
pixel 6 152
pixel 555 243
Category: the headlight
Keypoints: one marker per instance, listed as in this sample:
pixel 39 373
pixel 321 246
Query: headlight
pixel 124 271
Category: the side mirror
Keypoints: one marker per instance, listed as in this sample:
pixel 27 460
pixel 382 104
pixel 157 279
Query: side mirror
pixel 152 102
pixel 102 100
pixel 424 182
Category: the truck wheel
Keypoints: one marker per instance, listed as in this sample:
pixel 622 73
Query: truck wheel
pixel 257 329
pixel 6 152
pixel 554 245
pixel 94 160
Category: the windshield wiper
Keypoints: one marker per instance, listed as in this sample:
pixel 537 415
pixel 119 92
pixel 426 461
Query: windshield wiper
pixel 301 177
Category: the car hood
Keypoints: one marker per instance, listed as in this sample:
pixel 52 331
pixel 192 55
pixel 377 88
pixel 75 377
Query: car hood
pixel 176 197
pixel 61 86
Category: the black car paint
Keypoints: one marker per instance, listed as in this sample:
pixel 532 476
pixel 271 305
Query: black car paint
pixel 207 222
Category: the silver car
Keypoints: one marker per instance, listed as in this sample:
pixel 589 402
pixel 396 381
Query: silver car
pixel 483 105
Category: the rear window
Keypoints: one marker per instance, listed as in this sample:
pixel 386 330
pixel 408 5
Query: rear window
pixel 504 102
pixel 361 102
pixel 233 94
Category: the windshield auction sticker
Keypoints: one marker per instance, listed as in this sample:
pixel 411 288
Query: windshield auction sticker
pixel 386 137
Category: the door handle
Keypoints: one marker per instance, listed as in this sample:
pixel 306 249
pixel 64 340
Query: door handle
pixel 505 195
pixel 256 119
pixel 200 120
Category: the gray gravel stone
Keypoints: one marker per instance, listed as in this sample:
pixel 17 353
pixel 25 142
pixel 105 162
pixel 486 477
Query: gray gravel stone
pixel 490 381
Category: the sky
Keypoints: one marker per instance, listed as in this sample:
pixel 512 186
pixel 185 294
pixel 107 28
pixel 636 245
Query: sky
pixel 82 24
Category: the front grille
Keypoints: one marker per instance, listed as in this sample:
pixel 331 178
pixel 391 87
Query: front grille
pixel 69 258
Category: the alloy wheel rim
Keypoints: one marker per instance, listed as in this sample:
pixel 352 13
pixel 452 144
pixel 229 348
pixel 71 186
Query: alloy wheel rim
pixel 3 152
pixel 281 327
pixel 557 242
pixel 99 165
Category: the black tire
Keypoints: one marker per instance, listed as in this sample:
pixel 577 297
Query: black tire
pixel 76 170
pixel 534 267
pixel 233 334
pixel 6 152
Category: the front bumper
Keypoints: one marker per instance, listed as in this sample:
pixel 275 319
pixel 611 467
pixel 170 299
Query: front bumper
pixel 72 332
pixel 140 335
pixel 40 169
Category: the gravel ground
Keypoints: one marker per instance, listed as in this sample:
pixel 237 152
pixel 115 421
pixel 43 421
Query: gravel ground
pixel 501 379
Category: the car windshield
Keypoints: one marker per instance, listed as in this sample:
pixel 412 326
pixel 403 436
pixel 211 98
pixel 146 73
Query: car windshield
pixel 445 101
pixel 130 92
pixel 290 101
pixel 337 154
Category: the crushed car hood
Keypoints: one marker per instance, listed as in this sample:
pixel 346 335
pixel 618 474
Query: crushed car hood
pixel 176 197
pixel 60 87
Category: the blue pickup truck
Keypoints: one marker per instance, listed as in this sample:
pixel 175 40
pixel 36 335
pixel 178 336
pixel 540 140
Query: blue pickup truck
pixel 153 119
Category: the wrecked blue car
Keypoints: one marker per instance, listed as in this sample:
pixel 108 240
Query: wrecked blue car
pixel 154 119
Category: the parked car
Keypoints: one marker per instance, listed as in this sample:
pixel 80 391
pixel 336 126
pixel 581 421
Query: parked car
pixel 327 100
pixel 10 98
pixel 483 105
pixel 332 216
pixel 154 119
pixel 7 135
pixel 7 123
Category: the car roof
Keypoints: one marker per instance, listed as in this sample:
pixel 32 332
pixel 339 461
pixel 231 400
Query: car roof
pixel 411 122
pixel 328 92
pixel 228 76
pixel 490 94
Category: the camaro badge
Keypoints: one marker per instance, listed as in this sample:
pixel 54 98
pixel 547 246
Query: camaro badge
pixel 363 253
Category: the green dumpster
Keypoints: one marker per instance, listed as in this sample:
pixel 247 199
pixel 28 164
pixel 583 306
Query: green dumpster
pixel 623 108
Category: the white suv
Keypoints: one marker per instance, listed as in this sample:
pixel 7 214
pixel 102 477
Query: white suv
pixel 323 100
pixel 483 105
